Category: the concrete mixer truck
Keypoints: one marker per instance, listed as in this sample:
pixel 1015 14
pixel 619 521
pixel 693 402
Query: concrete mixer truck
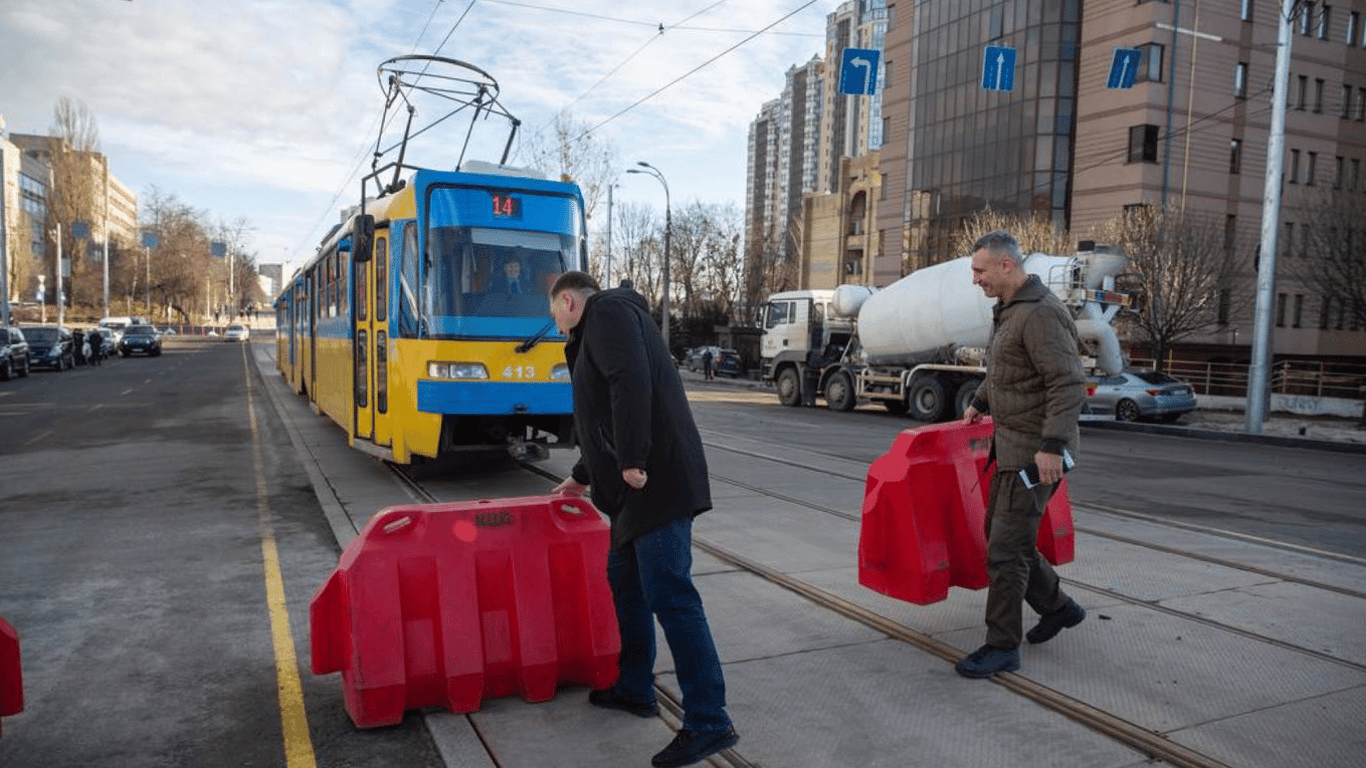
pixel 919 345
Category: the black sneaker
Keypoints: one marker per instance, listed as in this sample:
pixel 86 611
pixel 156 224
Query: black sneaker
pixel 1050 625
pixel 689 747
pixel 987 661
pixel 610 699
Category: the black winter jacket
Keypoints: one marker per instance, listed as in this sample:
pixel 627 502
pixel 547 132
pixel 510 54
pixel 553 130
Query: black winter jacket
pixel 630 411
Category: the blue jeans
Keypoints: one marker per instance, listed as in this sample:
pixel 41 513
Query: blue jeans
pixel 652 577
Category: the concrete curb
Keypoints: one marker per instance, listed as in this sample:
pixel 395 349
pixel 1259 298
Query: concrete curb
pixel 1227 437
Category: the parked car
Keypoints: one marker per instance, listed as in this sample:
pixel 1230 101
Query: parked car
pixel 1133 395
pixel 140 338
pixel 13 353
pixel 694 361
pixel 728 364
pixel 236 332
pixel 51 346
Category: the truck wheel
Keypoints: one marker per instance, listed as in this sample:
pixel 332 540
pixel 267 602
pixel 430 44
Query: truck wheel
pixel 963 398
pixel 839 393
pixel 789 387
pixel 927 399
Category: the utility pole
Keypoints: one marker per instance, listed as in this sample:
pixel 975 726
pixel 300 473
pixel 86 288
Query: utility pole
pixel 4 234
pixel 106 236
pixel 607 278
pixel 1259 374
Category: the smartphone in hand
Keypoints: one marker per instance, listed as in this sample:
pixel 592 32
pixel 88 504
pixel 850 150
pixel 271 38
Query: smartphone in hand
pixel 1030 474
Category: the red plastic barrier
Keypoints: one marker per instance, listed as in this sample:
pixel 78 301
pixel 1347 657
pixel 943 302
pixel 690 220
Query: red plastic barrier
pixel 451 604
pixel 11 674
pixel 924 515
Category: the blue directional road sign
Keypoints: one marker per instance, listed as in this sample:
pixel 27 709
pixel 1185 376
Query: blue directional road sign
pixel 858 70
pixel 149 239
pixel 998 68
pixel 1124 68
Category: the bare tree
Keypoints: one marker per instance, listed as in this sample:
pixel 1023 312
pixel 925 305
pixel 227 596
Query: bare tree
pixel 1184 268
pixel 1036 234
pixel 640 255
pixel 1332 264
pixel 567 150
pixel 181 261
pixel 77 180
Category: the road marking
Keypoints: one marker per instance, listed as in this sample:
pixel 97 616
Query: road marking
pixel 37 437
pixel 94 407
pixel 293 716
pixel 126 391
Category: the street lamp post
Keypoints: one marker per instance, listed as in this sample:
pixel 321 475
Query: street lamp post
pixel 668 229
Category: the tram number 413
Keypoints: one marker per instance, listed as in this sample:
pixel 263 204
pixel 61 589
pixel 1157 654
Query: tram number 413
pixel 519 372
pixel 507 205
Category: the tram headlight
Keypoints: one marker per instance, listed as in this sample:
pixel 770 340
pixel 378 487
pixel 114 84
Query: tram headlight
pixel 436 370
pixel 559 373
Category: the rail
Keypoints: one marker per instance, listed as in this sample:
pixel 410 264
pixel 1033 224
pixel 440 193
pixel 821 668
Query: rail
pixel 1289 377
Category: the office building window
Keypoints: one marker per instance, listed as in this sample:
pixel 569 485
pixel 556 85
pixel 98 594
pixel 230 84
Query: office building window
pixel 1240 80
pixel 1150 63
pixel 1235 156
pixel 1325 23
pixel 1280 310
pixel 1339 169
pixel 1356 174
pixel 1288 247
pixel 1346 101
pixel 1299 310
pixel 1302 92
pixel 1311 167
pixel 1245 10
pixel 1318 95
pixel 1361 105
pixel 1306 19
pixel 1143 144
pixel 1293 172
pixel 1325 312
pixel 1353 24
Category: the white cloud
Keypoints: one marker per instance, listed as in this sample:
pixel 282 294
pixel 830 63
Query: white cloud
pixel 241 107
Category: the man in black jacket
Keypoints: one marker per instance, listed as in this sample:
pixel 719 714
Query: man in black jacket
pixel 641 455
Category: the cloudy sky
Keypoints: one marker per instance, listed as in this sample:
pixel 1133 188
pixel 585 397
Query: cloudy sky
pixel 266 109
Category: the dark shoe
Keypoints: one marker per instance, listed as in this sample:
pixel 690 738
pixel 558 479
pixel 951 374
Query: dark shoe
pixel 689 747
pixel 610 699
pixel 1050 625
pixel 987 661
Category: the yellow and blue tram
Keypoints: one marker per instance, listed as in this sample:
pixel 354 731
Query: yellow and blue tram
pixel 422 325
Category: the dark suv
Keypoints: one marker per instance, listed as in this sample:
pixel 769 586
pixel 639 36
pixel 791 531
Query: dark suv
pixel 51 346
pixel 140 338
pixel 13 353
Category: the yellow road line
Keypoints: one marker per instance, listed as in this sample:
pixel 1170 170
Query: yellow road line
pixel 293 717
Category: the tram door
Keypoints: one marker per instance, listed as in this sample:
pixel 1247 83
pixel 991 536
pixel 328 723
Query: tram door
pixel 370 338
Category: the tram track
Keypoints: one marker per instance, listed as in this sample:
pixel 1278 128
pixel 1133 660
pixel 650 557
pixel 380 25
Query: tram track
pixel 1152 744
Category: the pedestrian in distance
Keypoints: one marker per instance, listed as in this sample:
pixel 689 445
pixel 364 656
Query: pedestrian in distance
pixel 707 359
pixel 641 461
pixel 1034 392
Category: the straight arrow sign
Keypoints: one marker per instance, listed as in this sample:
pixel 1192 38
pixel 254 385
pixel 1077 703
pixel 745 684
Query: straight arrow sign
pixel 1124 68
pixel 998 68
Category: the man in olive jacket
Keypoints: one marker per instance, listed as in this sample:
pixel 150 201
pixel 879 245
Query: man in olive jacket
pixel 641 455
pixel 1034 391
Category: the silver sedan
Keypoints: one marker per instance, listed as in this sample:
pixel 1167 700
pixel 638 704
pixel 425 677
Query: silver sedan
pixel 1133 395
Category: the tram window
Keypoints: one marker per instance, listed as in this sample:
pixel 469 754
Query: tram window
pixel 381 372
pixel 343 284
pixel 490 272
pixel 381 279
pixel 362 375
pixel 360 299
pixel 407 312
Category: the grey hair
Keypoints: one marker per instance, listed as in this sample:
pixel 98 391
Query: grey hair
pixel 1000 242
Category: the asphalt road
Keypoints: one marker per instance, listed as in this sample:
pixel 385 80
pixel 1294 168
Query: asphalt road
pixel 149 506
pixel 1298 496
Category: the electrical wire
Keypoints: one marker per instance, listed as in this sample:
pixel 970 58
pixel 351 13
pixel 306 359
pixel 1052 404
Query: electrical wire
pixel 696 69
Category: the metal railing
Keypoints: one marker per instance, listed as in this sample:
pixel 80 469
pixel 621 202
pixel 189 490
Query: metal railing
pixel 1288 377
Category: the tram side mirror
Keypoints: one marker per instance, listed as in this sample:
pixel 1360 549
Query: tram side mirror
pixel 363 238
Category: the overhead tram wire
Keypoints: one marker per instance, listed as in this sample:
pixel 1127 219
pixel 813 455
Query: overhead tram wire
pixel 635 22
pixel 638 51
pixel 697 69
pixel 368 142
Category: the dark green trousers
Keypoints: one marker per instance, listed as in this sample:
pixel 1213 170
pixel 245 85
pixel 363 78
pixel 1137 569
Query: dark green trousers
pixel 1018 574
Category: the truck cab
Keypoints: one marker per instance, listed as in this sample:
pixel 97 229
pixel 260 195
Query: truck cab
pixel 802 334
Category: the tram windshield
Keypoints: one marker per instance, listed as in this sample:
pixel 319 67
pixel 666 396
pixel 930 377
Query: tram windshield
pixel 485 272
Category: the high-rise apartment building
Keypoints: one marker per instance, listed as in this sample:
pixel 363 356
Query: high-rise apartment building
pixel 799 142
pixel 1192 132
